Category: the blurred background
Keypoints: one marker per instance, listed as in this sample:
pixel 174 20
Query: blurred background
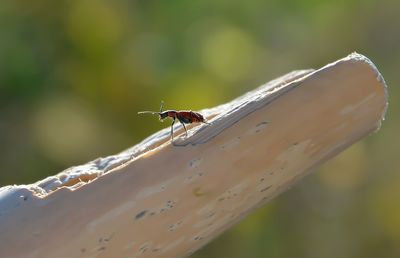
pixel 73 74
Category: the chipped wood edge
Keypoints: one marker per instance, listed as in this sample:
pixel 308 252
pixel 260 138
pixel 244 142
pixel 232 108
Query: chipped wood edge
pixel 160 200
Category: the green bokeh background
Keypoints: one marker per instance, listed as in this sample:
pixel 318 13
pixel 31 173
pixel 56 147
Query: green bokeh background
pixel 73 74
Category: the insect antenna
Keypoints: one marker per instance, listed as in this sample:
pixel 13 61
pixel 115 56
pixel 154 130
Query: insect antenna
pixel 153 112
pixel 162 105
pixel 148 112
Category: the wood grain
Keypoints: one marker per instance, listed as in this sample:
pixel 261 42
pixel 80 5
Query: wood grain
pixel 159 199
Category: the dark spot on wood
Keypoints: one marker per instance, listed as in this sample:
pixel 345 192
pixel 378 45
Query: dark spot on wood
pixel 101 248
pixel 140 214
pixel 106 239
pixel 194 163
pixel 262 179
pixel 170 204
pixel 198 192
pixel 152 213
pixel 211 214
pixel 294 144
pixel 262 123
pixel 265 189
pixel 264 198
pixel 143 249
pixel 83 250
pixel 156 249
pixel 221 199
pixel 100 239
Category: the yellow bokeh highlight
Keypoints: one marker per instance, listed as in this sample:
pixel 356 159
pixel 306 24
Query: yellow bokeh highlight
pixel 251 225
pixel 229 52
pixel 384 205
pixel 94 26
pixel 65 130
pixel 346 171
pixel 193 91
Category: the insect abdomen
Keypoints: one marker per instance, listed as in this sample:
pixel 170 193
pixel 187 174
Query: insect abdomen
pixel 189 117
pixel 196 117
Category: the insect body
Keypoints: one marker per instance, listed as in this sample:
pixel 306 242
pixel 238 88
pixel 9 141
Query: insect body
pixel 183 116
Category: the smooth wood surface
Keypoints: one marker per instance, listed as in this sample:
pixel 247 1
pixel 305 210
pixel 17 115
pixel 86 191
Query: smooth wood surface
pixel 159 199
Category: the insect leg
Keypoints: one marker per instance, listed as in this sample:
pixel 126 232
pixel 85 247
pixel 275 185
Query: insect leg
pixel 184 127
pixel 183 123
pixel 172 129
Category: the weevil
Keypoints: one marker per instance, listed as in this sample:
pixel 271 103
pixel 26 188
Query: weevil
pixel 183 116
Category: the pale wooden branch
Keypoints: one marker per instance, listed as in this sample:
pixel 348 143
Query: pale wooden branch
pixel 162 200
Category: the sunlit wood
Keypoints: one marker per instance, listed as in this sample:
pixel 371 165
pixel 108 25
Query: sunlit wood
pixel 159 199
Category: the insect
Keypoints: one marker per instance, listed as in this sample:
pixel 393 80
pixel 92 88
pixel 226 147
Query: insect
pixel 183 116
